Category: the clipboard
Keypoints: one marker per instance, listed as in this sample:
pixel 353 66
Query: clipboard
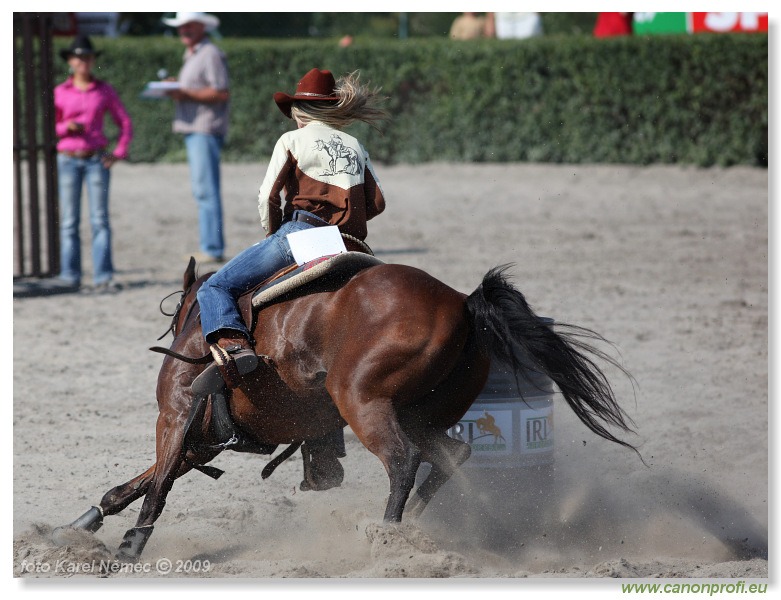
pixel 158 89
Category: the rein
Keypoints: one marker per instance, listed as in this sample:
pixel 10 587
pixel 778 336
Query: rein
pixel 200 360
pixel 175 316
pixel 172 329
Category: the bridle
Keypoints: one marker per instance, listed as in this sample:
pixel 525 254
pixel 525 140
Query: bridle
pixel 175 314
pixel 173 328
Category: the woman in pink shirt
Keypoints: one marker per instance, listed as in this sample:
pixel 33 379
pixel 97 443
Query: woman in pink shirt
pixel 80 104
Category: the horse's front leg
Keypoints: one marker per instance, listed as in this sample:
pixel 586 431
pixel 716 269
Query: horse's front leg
pixel 117 499
pixel 112 502
pixel 170 461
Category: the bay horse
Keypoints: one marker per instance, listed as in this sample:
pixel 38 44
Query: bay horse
pixel 394 353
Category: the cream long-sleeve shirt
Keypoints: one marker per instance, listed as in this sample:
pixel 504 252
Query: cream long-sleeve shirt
pixel 324 171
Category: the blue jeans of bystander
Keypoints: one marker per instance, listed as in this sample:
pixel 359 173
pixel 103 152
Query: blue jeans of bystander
pixel 203 156
pixel 72 174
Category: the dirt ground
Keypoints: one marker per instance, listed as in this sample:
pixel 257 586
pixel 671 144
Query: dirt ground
pixel 669 263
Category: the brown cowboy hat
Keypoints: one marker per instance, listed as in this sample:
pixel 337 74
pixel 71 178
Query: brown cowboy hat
pixel 80 46
pixel 316 85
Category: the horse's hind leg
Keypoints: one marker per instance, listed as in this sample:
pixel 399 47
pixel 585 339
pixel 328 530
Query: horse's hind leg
pixel 445 455
pixel 375 425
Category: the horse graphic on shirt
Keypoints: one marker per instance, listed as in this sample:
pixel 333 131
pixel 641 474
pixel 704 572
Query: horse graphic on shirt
pixel 336 150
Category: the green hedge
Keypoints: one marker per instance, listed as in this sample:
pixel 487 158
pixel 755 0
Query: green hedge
pixel 568 99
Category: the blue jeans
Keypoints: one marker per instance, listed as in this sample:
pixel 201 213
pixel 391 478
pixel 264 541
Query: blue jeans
pixel 203 156
pixel 72 174
pixel 218 296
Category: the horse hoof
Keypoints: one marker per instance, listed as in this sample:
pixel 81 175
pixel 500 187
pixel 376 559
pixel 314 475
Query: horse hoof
pixel 322 469
pixel 91 521
pixel 321 482
pixel 133 544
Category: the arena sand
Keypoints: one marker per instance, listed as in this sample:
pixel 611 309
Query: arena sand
pixel 669 263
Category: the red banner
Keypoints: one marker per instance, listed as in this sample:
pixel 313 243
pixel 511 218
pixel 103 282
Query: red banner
pixel 728 22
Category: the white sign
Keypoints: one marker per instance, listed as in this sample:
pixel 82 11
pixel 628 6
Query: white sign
pixel 309 244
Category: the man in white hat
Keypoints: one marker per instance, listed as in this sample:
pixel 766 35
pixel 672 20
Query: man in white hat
pixel 201 115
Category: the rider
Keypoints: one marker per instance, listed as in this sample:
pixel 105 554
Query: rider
pixel 314 196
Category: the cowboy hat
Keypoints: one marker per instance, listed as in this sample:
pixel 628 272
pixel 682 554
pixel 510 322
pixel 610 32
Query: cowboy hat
pixel 316 85
pixel 80 46
pixel 209 21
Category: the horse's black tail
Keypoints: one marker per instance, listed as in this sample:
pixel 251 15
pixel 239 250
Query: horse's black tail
pixel 506 329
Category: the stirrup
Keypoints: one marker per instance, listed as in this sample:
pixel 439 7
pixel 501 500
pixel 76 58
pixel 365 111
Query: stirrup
pixel 227 370
pixel 229 435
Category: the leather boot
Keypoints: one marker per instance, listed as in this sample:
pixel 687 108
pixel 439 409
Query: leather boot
pixel 233 358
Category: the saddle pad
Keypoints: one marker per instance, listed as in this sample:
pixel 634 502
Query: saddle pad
pixel 342 264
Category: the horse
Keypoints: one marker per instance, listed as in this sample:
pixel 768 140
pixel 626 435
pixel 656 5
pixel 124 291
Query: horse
pixel 392 352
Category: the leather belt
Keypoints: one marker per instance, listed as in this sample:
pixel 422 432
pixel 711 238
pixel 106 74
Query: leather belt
pixel 305 218
pixel 81 153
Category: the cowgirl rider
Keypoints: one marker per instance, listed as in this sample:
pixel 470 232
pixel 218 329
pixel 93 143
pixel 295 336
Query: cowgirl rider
pixel 327 179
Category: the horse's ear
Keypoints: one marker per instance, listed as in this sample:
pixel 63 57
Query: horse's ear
pixel 189 274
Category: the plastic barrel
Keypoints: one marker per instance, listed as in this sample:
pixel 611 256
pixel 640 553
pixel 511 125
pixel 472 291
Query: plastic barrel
pixel 508 479
pixel 510 424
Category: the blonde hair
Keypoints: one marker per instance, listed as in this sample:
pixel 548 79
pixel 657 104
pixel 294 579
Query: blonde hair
pixel 357 102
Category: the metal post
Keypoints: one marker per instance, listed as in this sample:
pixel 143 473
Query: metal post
pixel 31 135
pixel 49 145
pixel 19 237
pixel 35 210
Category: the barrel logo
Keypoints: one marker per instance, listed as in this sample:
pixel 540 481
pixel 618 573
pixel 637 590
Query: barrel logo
pixel 537 431
pixel 485 431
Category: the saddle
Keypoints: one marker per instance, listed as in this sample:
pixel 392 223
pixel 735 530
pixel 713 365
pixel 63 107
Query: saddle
pixel 332 269
pixel 322 274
